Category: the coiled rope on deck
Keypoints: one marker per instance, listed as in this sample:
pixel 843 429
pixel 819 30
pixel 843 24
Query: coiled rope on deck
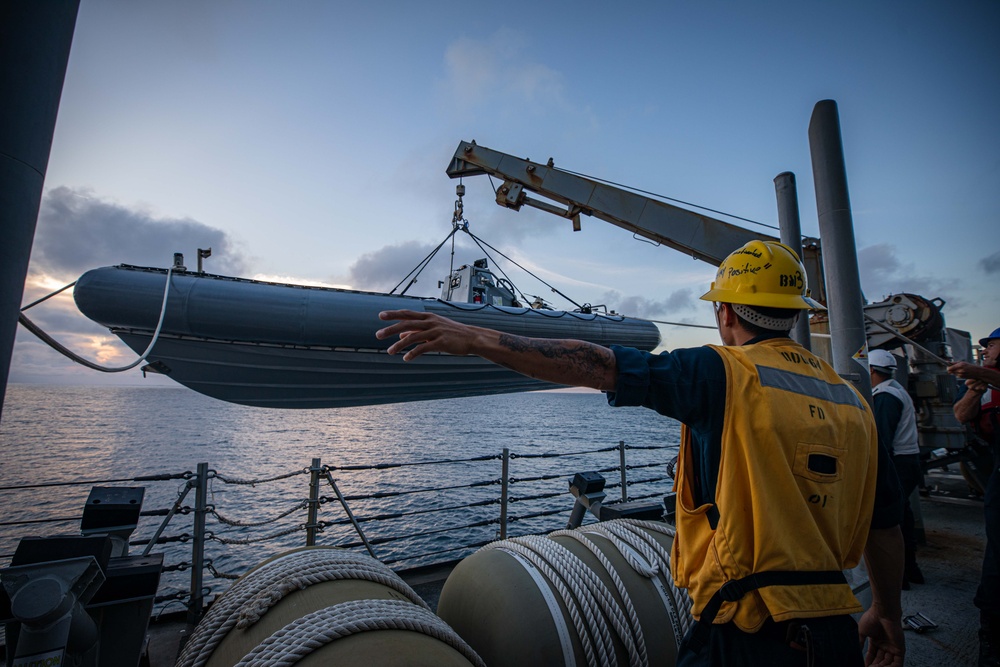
pixel 251 596
pixel 591 607
pixel 313 631
pixel 584 596
pixel 630 542
pixel 66 352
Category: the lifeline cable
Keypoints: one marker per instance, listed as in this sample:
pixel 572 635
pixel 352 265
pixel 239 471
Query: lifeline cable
pixel 55 345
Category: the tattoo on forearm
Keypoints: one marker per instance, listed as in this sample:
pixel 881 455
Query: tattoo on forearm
pixel 579 359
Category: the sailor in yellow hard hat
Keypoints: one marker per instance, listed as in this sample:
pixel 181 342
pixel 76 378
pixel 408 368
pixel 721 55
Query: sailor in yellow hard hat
pixel 778 484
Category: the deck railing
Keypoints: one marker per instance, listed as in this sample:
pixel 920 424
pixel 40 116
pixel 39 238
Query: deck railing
pixel 423 513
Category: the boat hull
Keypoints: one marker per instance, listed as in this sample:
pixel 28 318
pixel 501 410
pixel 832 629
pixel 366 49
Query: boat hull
pixel 287 346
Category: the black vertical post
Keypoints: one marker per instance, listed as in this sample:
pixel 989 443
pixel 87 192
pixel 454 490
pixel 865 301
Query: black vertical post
pixel 197 600
pixel 504 491
pixel 35 39
pixel 312 515
pixel 621 462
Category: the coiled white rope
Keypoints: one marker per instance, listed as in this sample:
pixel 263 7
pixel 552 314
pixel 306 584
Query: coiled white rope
pixel 251 596
pixel 313 631
pixel 564 571
pixel 66 352
pixel 590 605
pixel 631 536
pixel 634 626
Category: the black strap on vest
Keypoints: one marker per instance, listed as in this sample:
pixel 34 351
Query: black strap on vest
pixel 735 589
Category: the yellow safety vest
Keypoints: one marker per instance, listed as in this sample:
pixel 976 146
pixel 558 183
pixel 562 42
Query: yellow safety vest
pixel 795 490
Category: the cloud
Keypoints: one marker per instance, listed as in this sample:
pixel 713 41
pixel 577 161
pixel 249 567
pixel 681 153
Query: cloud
pixel 497 74
pixel 882 274
pixel 991 264
pixel 497 68
pixel 383 269
pixel 637 306
pixel 78 231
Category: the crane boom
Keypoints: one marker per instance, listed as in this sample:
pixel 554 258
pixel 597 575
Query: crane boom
pixel 712 240
pixel 694 234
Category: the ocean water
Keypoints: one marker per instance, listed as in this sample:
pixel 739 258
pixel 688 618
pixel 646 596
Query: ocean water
pixel 55 435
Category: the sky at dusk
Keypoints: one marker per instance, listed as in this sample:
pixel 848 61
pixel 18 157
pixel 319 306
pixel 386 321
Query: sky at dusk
pixel 307 141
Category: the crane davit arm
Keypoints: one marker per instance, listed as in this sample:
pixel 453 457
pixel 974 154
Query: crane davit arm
pixel 694 234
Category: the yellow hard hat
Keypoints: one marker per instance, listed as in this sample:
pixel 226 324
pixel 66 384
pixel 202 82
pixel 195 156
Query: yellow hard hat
pixel 763 273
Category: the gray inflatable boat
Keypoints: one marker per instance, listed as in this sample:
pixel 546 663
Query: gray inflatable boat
pixel 289 346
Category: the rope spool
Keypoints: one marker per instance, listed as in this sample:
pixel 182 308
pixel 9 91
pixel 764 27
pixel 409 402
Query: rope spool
pixel 597 595
pixel 318 606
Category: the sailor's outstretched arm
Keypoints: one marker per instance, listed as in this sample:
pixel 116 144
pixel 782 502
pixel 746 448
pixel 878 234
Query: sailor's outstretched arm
pixel 570 362
pixel 987 374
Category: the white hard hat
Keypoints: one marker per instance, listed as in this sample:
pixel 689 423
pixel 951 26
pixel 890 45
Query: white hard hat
pixel 883 361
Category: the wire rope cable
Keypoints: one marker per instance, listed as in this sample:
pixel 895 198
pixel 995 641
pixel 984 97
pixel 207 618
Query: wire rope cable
pixel 666 198
pixel 421 265
pixel 61 349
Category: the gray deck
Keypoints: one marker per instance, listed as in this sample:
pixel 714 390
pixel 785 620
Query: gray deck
pixel 951 561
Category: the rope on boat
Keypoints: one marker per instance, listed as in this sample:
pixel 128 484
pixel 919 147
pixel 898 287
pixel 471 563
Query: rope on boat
pixel 313 631
pixel 253 524
pixel 218 574
pixel 625 534
pixel 254 593
pixel 590 606
pixel 66 352
pixel 254 540
pixel 633 617
pixel 564 572
pixel 252 482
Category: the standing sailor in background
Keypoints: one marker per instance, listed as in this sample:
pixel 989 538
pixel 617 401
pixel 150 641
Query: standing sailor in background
pixel 896 420
pixel 777 473
pixel 980 407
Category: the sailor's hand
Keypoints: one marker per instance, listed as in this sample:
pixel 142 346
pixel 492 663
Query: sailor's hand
pixel 886 644
pixel 976 386
pixel 961 369
pixel 425 332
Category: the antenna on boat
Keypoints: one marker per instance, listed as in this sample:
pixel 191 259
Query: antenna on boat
pixel 203 253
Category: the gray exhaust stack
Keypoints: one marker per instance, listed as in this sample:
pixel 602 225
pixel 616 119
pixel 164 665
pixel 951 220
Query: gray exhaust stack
pixel 848 340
